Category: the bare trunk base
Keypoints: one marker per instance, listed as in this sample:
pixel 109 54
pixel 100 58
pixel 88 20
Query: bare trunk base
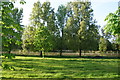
pixel 60 52
pixel 9 52
pixel 80 52
pixel 40 53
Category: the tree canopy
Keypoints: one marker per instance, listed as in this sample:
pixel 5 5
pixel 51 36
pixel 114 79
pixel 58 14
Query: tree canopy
pixel 11 26
pixel 112 26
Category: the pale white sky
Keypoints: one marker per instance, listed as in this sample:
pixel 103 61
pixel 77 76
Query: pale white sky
pixel 101 8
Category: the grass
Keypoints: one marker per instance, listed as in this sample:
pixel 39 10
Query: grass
pixel 51 67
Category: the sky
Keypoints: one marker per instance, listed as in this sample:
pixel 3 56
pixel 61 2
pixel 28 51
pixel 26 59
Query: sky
pixel 101 8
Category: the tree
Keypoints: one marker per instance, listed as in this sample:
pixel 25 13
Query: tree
pixel 11 26
pixel 28 38
pixel 87 25
pixel 72 25
pixel 70 35
pixel 80 26
pixel 93 37
pixel 107 36
pixel 61 18
pixel 102 44
pixel 42 39
pixel 51 24
pixel 112 26
pixel 41 30
pixel 11 29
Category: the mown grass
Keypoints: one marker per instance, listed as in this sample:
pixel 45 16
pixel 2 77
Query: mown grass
pixel 48 67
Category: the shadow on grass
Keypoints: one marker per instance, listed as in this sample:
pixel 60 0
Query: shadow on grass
pixel 63 68
pixel 92 57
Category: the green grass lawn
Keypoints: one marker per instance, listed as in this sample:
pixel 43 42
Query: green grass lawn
pixel 36 67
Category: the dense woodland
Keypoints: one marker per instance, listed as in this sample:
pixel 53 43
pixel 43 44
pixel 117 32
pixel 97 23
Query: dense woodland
pixel 71 27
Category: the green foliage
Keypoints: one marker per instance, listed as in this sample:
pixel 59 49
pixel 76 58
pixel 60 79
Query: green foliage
pixel 102 44
pixel 22 2
pixel 11 31
pixel 115 47
pixel 39 35
pixel 113 23
pixel 9 56
pixel 70 33
pixel 61 16
pixel 81 30
pixel 28 38
pixel 43 41
pixel 71 27
pixel 11 28
pixel 60 22
pixel 112 26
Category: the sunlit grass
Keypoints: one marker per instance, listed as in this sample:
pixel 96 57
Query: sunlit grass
pixel 36 67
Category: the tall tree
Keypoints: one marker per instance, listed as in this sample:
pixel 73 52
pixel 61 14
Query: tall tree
pixel 85 25
pixel 51 23
pixel 61 18
pixel 11 26
pixel 72 25
pixel 80 26
pixel 30 31
pixel 43 27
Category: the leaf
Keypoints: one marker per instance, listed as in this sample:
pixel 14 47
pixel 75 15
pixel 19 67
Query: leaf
pixel 22 2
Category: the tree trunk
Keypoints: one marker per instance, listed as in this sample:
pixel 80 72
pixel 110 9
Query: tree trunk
pixel 43 54
pixel 9 51
pixel 40 53
pixel 61 52
pixel 61 43
pixel 10 48
pixel 80 52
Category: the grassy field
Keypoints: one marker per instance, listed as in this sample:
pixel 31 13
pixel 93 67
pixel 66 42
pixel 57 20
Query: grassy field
pixel 51 67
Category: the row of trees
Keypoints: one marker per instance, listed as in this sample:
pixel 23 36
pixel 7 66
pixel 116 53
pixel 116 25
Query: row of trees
pixel 71 27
